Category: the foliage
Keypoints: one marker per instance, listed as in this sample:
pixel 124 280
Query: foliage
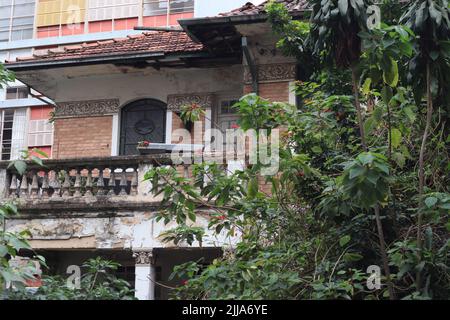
pixel 12 242
pixel 10 245
pixel 335 208
pixel 97 282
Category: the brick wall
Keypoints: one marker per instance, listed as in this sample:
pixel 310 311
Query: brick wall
pixel 197 137
pixel 82 137
pixel 275 91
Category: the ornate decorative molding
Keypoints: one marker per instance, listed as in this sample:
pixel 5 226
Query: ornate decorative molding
pixel 176 101
pixel 144 257
pixel 87 108
pixel 272 73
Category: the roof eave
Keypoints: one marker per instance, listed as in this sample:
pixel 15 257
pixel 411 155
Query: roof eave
pixel 237 19
pixel 186 24
pixel 108 59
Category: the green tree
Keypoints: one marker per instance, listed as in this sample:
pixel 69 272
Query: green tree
pixel 429 74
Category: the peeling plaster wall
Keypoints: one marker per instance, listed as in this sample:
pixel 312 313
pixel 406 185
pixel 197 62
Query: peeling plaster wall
pixel 76 84
pixel 138 230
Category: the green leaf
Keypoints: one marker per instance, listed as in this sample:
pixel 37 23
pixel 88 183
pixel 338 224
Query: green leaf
pixel 20 166
pixel 366 86
pixel 396 137
pixel 366 158
pixel 434 55
pixel 316 149
pixel 435 14
pixel 40 152
pixel 431 201
pixel 399 159
pixel 192 215
pixel 386 94
pixel 3 250
pixel 343 7
pixel 356 172
pixel 352 257
pixel 37 161
pixel 391 75
pixel 344 240
pixel 252 188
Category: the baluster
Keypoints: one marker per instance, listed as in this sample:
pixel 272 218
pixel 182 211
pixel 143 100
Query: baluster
pixel 134 183
pixel 34 186
pixel 112 182
pixel 88 192
pixel 13 186
pixel 45 186
pixel 55 184
pixel 186 171
pixel 66 185
pixel 100 183
pixel 123 183
pixel 24 187
pixel 77 184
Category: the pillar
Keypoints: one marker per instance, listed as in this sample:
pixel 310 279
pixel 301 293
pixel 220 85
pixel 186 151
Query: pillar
pixel 144 275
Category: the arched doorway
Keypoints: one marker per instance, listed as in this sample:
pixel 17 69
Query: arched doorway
pixel 142 120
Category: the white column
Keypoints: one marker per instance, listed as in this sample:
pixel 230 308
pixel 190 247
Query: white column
pixel 115 141
pixel 144 275
pixel 208 125
pixel 292 95
pixel 169 127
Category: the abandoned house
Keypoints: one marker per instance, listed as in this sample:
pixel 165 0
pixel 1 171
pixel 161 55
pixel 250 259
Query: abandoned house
pixel 107 96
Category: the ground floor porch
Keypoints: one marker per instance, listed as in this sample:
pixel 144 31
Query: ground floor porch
pixel 147 271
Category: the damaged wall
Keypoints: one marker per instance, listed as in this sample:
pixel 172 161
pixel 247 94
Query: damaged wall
pixel 133 230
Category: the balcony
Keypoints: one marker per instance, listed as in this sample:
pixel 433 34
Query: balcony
pixel 92 185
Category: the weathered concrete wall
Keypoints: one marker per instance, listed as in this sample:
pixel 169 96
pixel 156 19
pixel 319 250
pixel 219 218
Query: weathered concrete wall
pixel 92 83
pixel 131 230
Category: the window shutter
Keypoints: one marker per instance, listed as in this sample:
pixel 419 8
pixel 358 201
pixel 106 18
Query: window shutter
pixel 18 132
pixel 40 133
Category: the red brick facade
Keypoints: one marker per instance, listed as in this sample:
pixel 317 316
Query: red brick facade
pixel 274 91
pixel 82 137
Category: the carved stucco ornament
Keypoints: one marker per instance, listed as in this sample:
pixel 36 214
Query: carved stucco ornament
pixel 273 73
pixel 144 257
pixel 177 101
pixel 87 108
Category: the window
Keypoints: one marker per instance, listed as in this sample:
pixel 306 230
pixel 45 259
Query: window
pixel 164 7
pixel 60 12
pixel 40 133
pixel 180 6
pixel 112 9
pixel 227 114
pixel 6 133
pixel 16 19
pixel 17 93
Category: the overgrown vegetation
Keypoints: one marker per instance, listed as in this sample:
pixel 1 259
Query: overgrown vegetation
pixel 97 282
pixel 364 167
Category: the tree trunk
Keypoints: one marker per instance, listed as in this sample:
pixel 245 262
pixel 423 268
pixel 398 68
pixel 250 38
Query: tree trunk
pixel 384 257
pixel 355 84
pixel 422 169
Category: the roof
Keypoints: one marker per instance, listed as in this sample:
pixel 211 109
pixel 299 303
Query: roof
pixel 250 9
pixel 167 42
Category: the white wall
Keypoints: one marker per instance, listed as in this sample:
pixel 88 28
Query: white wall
pixel 209 8
pixel 71 85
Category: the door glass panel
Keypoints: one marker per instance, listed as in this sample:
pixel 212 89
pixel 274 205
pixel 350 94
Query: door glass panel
pixel 142 120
